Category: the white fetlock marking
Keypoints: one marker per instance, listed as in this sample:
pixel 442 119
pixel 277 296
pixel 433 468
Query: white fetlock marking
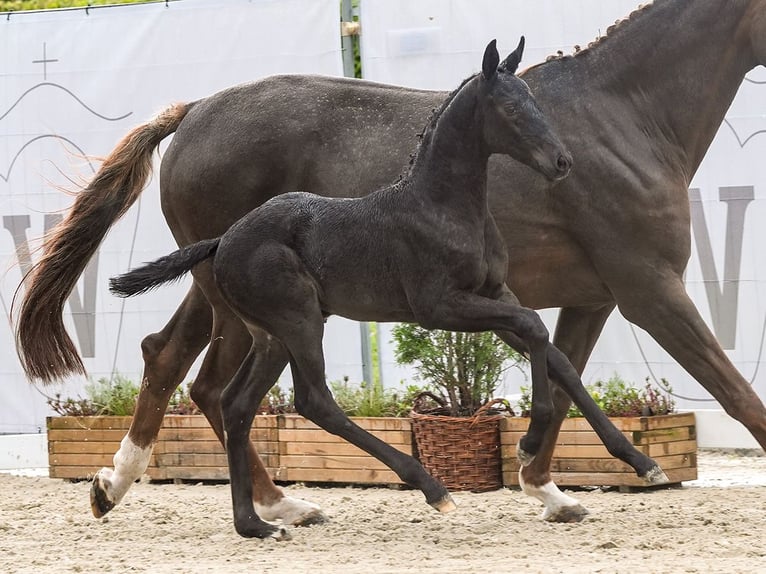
pixel 130 462
pixel 550 495
pixel 288 510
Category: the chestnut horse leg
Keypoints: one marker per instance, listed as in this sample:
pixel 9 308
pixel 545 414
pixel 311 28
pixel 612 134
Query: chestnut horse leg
pixel 168 355
pixel 577 330
pixel 228 348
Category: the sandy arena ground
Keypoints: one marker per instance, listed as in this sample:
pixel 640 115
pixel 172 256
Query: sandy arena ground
pixel 715 524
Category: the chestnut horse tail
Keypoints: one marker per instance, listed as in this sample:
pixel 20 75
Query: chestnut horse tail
pixel 45 349
pixel 164 270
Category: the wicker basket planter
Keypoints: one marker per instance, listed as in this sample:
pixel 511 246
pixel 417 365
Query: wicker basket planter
pixel 580 459
pixel 463 452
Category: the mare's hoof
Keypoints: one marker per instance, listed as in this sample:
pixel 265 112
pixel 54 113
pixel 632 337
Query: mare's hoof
pixel 524 457
pixel 656 476
pixel 575 513
pixel 445 504
pixel 311 519
pixel 100 503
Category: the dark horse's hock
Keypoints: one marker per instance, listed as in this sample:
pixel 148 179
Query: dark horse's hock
pixel 424 250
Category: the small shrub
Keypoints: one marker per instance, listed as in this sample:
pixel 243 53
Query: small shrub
pixel 115 396
pixel 277 402
pixel 616 398
pixel 372 399
pixel 181 402
pixel 463 369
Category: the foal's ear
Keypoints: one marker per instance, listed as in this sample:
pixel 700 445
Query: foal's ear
pixel 511 63
pixel 491 58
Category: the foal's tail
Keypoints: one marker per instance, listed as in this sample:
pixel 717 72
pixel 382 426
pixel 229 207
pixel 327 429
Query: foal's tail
pixel 164 270
pixel 45 349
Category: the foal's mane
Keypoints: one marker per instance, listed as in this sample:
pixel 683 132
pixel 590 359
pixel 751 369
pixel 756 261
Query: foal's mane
pixel 425 136
pixel 615 29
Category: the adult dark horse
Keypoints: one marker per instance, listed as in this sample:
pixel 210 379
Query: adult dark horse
pixel 641 107
pixel 425 249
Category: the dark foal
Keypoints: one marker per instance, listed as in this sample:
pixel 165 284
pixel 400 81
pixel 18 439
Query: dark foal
pixel 424 250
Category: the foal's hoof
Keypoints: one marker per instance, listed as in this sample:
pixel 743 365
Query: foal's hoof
pixel 655 476
pixel 281 534
pixel 445 504
pixel 263 531
pixel 100 503
pixel 524 457
pixel 574 513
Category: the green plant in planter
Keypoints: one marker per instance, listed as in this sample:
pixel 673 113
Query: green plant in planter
pixel 372 399
pixel 115 396
pixel 464 369
pixel 618 398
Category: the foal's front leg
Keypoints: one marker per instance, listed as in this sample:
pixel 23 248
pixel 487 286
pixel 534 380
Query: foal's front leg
pixel 564 374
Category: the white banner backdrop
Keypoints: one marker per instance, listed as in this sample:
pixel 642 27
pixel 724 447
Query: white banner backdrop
pixel 72 83
pixel 436 43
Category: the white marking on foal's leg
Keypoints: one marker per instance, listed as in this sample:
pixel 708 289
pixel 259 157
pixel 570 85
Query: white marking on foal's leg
pixel 109 486
pixel 293 511
pixel 558 506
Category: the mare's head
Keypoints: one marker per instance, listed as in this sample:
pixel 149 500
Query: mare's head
pixel 513 123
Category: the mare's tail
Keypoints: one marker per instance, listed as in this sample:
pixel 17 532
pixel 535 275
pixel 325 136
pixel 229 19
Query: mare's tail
pixel 164 270
pixel 44 347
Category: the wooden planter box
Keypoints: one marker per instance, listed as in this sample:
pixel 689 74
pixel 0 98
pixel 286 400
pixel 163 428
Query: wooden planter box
pixel 310 454
pixel 580 459
pixel 292 449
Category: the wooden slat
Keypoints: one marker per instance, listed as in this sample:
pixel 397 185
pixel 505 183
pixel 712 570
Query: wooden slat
pixel 108 423
pixel 564 438
pixel 82 447
pixel 331 462
pixel 195 434
pixel 367 423
pixel 83 435
pixel 330 449
pixel 672 434
pixel 310 435
pixel 339 475
pixel 667 448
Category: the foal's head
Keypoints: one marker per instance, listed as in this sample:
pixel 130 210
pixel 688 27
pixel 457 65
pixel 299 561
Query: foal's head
pixel 513 124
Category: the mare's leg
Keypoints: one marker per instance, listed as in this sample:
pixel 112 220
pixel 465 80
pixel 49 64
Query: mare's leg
pixel 168 355
pixel 564 374
pixel 229 346
pixel 577 330
pixel 661 306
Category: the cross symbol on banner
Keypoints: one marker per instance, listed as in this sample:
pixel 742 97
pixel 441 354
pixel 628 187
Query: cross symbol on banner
pixel 44 62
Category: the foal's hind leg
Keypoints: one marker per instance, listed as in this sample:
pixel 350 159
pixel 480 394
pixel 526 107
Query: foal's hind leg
pixel 230 344
pixel 314 401
pixel 239 403
pixel 168 355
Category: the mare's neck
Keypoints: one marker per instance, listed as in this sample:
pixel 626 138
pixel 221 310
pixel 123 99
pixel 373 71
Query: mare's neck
pixel 676 67
pixel 450 168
